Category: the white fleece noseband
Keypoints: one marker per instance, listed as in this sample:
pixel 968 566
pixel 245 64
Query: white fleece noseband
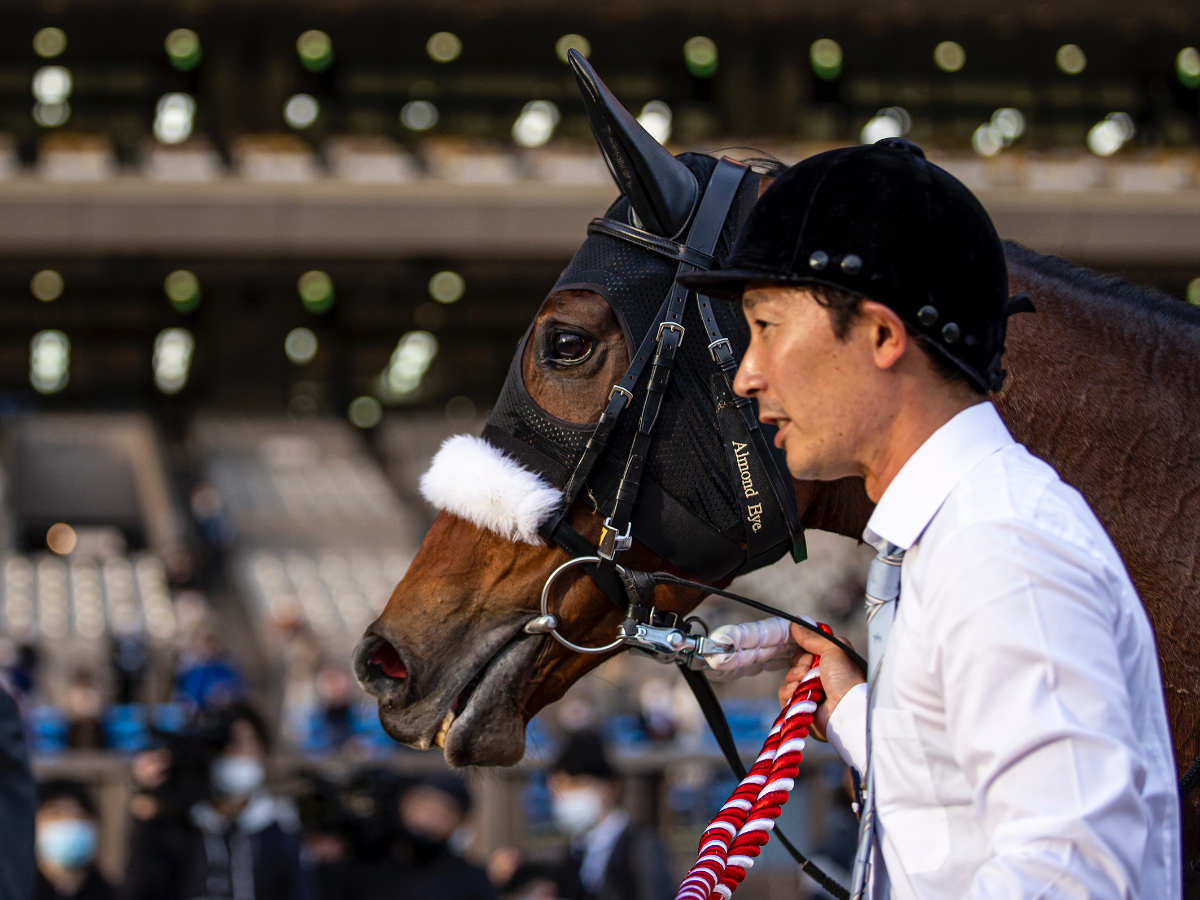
pixel 477 482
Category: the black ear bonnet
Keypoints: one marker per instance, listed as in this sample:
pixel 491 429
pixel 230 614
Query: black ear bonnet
pixel 692 505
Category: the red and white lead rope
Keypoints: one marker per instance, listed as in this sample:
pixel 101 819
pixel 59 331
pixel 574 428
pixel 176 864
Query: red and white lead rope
pixel 743 826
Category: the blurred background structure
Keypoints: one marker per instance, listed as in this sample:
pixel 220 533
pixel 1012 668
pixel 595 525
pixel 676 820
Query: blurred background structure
pixel 258 259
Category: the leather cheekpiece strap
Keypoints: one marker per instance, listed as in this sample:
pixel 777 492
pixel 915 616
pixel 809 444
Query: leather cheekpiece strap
pixel 703 236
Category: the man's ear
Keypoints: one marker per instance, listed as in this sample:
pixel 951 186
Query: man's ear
pixel 889 338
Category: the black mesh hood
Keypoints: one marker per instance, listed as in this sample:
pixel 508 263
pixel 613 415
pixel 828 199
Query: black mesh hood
pixel 688 461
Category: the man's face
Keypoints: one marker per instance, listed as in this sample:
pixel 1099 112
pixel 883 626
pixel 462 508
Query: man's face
pixel 813 386
pixel 430 813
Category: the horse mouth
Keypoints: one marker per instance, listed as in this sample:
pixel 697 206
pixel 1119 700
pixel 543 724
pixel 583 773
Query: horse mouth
pixel 481 723
pixel 459 704
pixel 487 717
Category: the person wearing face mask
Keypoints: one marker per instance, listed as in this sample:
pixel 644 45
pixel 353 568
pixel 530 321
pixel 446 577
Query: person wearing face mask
pixel 65 845
pixel 610 857
pixel 424 863
pixel 237 843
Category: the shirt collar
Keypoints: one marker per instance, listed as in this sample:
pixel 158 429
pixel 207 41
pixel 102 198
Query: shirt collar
pixel 925 481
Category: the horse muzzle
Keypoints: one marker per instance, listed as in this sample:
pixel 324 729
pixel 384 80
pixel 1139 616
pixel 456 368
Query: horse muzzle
pixel 472 708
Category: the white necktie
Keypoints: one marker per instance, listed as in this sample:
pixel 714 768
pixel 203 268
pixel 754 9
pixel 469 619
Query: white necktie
pixel 883 591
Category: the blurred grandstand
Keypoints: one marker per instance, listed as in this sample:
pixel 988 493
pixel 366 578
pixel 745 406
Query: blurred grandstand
pixel 258 260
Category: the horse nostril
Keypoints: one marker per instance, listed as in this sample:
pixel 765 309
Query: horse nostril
pixel 386 657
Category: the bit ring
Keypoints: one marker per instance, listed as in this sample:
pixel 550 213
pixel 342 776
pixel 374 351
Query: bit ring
pixel 548 619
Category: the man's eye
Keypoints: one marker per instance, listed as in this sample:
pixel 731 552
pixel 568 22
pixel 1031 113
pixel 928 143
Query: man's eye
pixel 568 347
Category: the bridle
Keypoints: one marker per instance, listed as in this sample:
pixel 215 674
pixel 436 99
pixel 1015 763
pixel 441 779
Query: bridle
pixel 628 590
pixel 661 634
pixel 658 351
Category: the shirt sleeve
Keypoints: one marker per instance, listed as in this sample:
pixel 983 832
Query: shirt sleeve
pixel 1024 631
pixel 847 728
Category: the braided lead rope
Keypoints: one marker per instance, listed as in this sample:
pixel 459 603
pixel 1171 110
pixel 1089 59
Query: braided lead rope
pixel 742 827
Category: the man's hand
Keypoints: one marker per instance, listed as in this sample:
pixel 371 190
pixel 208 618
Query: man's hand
pixel 838 674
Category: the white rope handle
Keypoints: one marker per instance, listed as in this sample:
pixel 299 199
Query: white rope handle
pixel 753 648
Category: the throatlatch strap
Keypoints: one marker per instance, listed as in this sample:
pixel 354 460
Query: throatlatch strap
pixel 785 494
pixel 762 520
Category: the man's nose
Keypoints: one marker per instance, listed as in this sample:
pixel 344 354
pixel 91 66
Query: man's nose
pixel 748 382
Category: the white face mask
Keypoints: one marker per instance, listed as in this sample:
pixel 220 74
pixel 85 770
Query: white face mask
pixel 67 843
pixel 577 810
pixel 236 776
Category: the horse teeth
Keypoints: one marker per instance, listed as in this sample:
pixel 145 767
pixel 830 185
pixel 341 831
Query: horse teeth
pixel 439 739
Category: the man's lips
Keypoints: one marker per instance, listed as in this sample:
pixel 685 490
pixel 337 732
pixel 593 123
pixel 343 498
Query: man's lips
pixel 780 422
pixel 781 425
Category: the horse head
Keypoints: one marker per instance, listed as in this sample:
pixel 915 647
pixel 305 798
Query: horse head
pixel 449 659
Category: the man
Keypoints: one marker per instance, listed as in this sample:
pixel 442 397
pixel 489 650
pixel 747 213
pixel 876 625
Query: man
pixel 66 845
pixel 617 860
pixel 423 862
pixel 1018 738
pixel 610 858
pixel 235 841
pixel 17 803
pixel 432 812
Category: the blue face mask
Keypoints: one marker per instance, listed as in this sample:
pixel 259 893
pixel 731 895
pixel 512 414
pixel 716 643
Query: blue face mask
pixel 68 843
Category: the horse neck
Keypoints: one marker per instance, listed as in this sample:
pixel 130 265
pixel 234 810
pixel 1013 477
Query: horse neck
pixel 1100 363
pixel 1102 386
pixel 841 506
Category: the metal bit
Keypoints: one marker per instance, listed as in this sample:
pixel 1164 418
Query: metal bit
pixel 541 625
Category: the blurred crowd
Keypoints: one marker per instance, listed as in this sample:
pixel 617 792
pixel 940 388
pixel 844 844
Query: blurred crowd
pixel 74 698
pixel 206 824
pixel 305 797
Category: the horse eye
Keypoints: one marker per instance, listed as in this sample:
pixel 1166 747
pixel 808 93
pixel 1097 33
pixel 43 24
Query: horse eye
pixel 569 347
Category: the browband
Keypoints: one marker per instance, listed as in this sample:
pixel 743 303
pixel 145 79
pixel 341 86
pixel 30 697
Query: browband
pixel 672 250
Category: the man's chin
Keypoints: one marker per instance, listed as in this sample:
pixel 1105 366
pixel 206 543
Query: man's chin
pixel 801 465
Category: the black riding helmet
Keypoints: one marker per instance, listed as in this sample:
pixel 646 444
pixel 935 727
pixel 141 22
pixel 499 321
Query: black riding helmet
pixel 883 222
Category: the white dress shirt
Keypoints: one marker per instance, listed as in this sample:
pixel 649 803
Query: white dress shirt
pixel 1020 737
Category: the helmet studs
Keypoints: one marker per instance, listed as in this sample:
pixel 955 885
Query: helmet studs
pixel 927 315
pixel 851 264
pixel 818 261
pixel 950 332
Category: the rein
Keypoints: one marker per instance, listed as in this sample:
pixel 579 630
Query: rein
pixel 742 827
pixel 668 642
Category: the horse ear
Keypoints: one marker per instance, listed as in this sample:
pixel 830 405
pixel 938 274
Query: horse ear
pixel 661 189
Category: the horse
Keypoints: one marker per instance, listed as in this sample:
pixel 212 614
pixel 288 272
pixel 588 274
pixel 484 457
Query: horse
pixel 1101 385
